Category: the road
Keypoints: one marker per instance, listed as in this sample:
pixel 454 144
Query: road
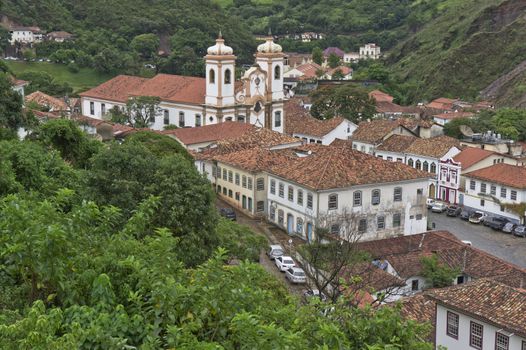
pixel 273 236
pixel 505 246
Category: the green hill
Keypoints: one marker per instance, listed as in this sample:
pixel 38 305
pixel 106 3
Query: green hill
pixel 467 46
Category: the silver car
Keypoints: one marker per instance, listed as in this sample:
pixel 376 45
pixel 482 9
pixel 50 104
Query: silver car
pixel 284 263
pixel 296 275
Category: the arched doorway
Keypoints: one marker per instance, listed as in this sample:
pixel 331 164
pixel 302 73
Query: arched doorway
pixel 432 191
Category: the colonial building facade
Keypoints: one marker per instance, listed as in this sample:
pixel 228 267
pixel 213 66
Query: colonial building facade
pixel 257 98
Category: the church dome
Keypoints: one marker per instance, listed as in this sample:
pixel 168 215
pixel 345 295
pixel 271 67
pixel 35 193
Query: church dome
pixel 269 46
pixel 220 48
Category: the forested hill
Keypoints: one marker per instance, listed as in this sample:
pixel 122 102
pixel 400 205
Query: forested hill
pixel 114 23
pixel 464 49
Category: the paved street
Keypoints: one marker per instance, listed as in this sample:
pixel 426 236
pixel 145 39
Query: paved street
pixel 505 246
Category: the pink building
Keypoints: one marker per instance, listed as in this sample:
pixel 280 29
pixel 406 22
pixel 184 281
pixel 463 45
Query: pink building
pixel 449 180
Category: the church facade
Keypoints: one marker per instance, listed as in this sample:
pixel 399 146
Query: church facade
pixel 257 98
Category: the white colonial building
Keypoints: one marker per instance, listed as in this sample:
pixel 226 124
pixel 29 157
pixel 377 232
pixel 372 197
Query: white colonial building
pixel 257 98
pixel 370 51
pixel 484 314
pixel 433 155
pixel 491 189
pixel 345 190
pixel 25 35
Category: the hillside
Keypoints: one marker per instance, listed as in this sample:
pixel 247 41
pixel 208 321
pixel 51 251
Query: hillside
pixel 508 90
pixel 465 48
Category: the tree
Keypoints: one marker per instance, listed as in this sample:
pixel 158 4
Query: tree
pixel 437 274
pixel 42 81
pixel 452 128
pixel 191 38
pixel 11 114
pixel 317 55
pixel 346 101
pixel 5 37
pixel 510 123
pixel 142 110
pixel 66 137
pixel 333 60
pixel 378 72
pixel 146 45
pixel 160 145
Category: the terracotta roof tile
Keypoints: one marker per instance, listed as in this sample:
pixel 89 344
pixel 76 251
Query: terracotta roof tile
pixel 45 100
pixel 374 131
pixel 256 159
pixel 309 70
pixel 117 89
pixel 405 252
pixel 505 174
pixel 343 69
pixel 210 133
pixel 454 115
pixel 300 121
pixel 420 308
pixel 472 155
pixel 397 143
pixel 174 88
pixel 258 137
pixel 488 300
pixel 390 107
pixel 329 167
pixel 380 96
pixel 434 147
pixel 441 104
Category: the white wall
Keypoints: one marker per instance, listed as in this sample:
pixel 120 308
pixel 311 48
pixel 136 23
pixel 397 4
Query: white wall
pixel 473 197
pixel 441 337
pixel 363 147
pixel 85 107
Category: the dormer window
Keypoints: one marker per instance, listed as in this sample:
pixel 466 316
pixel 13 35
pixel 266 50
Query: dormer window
pixel 212 76
pixel 228 76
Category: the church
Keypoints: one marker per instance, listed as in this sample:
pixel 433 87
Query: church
pixel 257 98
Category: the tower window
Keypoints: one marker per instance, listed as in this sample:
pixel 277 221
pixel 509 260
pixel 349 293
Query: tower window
pixel 228 76
pixel 277 119
pixel 257 107
pixel 277 73
pixel 212 76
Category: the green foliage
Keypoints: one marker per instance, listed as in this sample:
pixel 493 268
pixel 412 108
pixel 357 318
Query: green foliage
pixel 142 110
pixel 317 55
pixel 42 81
pixel 239 241
pixel 333 60
pixel 159 145
pixel 11 114
pixel 437 274
pixel 30 167
pixel 65 136
pixel 347 101
pixel 146 45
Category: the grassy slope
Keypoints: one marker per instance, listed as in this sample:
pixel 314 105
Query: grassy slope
pixel 85 78
pixel 460 52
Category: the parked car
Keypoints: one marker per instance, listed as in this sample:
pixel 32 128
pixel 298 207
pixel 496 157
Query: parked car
pixel 453 210
pixel 309 294
pixel 495 222
pixel 228 213
pixel 296 275
pixel 520 231
pixel 509 227
pixel 274 251
pixel 284 263
pixel 477 217
pixel 439 207
pixel 430 202
pixel 465 214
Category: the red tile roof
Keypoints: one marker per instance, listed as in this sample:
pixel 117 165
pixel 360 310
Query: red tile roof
pixel 300 121
pixel 435 147
pixel 504 174
pixel 309 70
pixel 487 300
pixel 173 88
pixel 454 115
pixel 374 131
pixel 343 69
pixel 256 159
pixel 396 143
pixel 471 155
pixel 329 167
pixel 45 100
pixel 380 96
pixel 210 133
pixel 404 254
pixel 117 89
pixel 389 107
pixel 441 104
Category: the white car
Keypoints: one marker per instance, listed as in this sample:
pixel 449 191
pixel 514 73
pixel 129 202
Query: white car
pixel 429 203
pixel 296 275
pixel 477 217
pixel 274 251
pixel 284 263
pixel 439 207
